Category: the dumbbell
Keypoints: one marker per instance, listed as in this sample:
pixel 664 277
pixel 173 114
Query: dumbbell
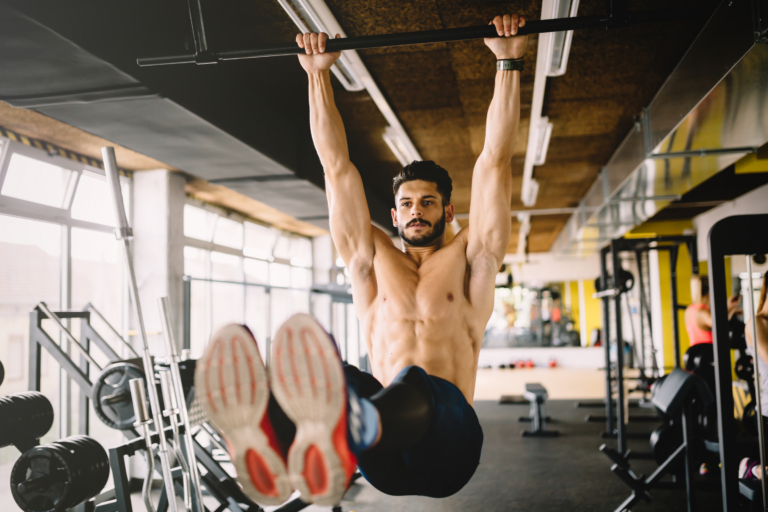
pixel 24 418
pixel 57 476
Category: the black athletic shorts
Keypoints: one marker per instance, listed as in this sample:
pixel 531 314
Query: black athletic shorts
pixel 447 456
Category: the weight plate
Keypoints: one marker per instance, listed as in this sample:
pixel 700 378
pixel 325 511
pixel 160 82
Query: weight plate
pixel 58 476
pixel 112 395
pixel 38 465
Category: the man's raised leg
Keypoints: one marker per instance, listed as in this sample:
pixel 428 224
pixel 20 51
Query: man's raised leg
pixel 232 385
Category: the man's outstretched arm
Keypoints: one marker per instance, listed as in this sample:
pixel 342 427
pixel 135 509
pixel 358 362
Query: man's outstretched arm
pixel 348 209
pixel 489 217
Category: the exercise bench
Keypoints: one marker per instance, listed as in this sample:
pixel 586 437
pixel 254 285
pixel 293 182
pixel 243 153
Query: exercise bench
pixel 536 394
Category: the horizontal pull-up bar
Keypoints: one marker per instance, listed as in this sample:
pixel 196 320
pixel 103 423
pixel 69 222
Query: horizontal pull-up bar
pixel 429 36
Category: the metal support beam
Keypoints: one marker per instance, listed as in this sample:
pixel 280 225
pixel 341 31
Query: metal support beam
pixel 422 37
pixel 620 426
pixel 702 153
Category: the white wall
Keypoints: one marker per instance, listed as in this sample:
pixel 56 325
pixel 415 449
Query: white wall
pixel 565 357
pixel 545 267
pixel 752 202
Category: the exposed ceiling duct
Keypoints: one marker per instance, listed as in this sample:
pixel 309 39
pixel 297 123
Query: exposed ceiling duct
pixel 711 111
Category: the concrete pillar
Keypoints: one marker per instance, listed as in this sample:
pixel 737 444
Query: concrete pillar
pixel 322 261
pixel 158 249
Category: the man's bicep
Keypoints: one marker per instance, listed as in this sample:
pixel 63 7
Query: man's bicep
pixel 489 210
pixel 348 212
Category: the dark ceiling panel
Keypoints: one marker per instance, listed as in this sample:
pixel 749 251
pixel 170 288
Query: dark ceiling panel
pixel 59 65
pixel 161 129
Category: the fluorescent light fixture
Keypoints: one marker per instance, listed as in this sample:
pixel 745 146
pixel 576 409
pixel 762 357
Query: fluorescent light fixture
pixel 543 134
pixel 306 17
pixel 531 193
pixel 560 45
pixel 314 15
pixel 399 144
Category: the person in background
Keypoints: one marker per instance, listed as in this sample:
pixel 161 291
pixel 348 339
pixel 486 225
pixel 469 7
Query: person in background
pixel 698 319
pixel 750 468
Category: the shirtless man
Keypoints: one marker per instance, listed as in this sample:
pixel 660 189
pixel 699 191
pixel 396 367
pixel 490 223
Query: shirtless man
pixel 410 427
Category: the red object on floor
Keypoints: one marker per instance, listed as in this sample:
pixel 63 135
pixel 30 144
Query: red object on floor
pixel 552 363
pixel 520 364
pixel 529 364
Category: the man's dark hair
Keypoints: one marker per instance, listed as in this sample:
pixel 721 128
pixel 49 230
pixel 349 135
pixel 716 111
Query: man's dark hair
pixel 426 170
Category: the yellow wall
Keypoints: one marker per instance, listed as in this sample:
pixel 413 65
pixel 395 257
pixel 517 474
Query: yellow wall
pixel 573 303
pixel 591 309
pixel 683 280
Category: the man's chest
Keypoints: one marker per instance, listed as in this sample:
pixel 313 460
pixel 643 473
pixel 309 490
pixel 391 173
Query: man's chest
pixel 439 283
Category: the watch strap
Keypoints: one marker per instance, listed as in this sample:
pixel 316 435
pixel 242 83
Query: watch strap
pixel 510 65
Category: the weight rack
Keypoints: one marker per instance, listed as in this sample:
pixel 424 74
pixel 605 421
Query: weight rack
pixel 217 482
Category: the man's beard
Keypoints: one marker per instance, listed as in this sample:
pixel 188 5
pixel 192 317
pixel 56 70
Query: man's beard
pixel 422 240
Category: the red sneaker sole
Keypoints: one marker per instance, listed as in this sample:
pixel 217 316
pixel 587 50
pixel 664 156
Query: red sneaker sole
pixel 308 382
pixel 233 389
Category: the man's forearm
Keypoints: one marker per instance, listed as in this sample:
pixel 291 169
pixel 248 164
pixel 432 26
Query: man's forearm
pixel 326 124
pixel 503 118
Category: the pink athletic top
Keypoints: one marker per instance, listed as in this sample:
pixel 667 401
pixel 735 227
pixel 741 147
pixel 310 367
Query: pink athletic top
pixel 696 334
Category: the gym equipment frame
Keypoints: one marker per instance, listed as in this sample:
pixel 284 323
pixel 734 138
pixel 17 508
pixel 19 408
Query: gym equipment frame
pixel 611 289
pixel 620 16
pixel 736 235
pixel 217 482
pixel 673 399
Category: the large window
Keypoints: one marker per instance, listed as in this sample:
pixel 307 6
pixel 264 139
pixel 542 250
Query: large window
pixel 242 272
pixel 57 247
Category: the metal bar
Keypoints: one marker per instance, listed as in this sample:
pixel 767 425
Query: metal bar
pixel 607 294
pixel 187 313
pixel 181 400
pixel 620 426
pixel 90 307
pixel 34 374
pixel 198 27
pixel 84 396
pixel 190 278
pixel 675 313
pixel 673 197
pixel 758 391
pixel 38 336
pixel 425 37
pixel 702 153
pixel 641 292
pixel 88 334
pixel 688 456
pixel 533 211
pixel 607 345
pixel 120 475
pixel 57 322
pixel 124 234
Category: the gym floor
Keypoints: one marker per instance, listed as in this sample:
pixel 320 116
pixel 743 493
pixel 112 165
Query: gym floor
pixel 555 474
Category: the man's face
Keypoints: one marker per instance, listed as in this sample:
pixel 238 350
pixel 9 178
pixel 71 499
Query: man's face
pixel 420 216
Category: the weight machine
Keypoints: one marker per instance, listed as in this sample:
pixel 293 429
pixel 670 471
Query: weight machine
pixel 612 288
pixel 736 235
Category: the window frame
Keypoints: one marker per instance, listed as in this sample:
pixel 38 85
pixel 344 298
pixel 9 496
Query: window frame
pixel 20 208
pixel 40 212
pixel 211 247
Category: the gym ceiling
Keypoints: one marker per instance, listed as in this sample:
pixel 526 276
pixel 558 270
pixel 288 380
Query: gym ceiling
pixel 257 109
